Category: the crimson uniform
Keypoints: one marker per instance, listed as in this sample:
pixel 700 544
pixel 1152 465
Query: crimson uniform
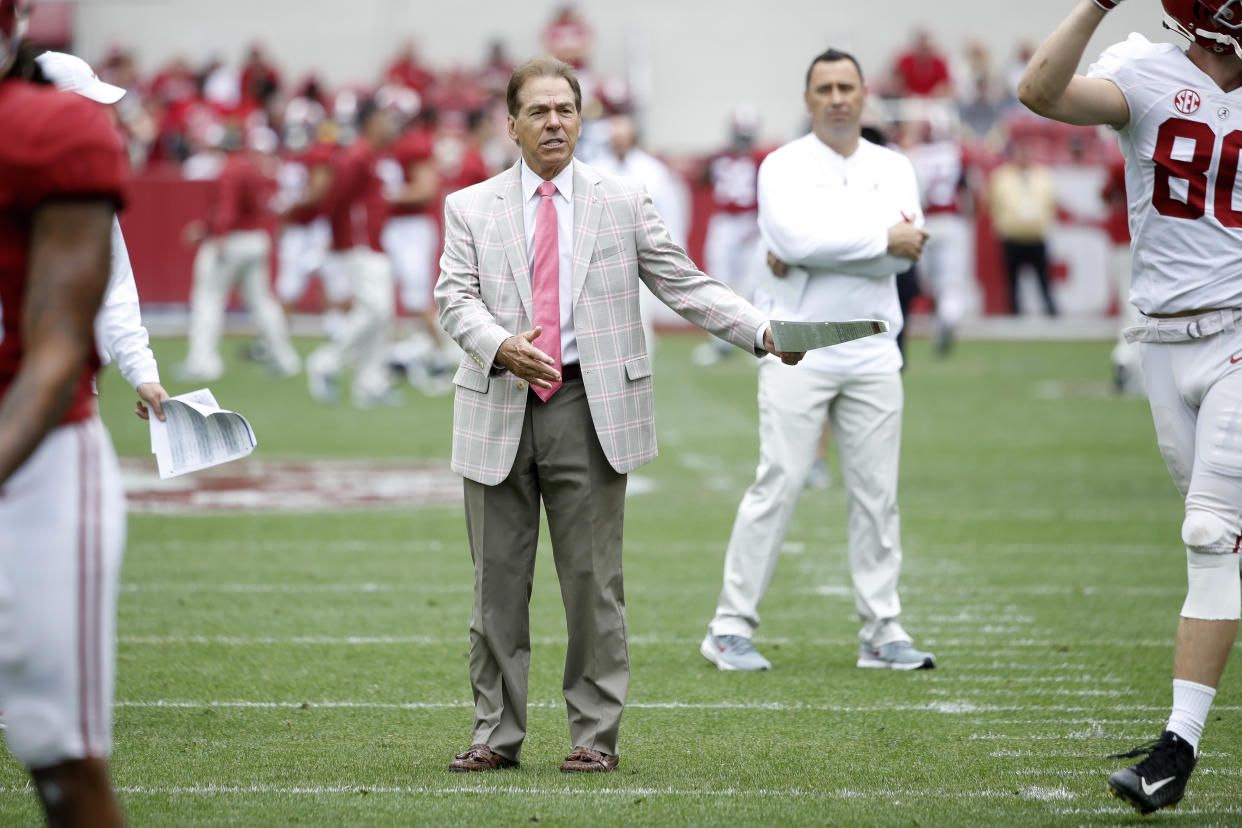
pixel 305 238
pixel 244 247
pixel 62 513
pixel 357 211
pixel 411 236
pixel 733 229
pixel 940 167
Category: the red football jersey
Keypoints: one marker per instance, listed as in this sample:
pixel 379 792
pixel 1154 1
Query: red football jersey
pixel 318 155
pixel 735 181
pixel 413 147
pixel 355 204
pixel 244 194
pixel 473 170
pixel 56 146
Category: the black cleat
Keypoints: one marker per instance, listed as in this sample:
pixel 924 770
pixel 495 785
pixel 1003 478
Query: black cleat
pixel 1159 781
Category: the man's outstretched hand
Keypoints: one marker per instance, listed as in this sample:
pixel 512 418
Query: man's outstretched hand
pixel 787 357
pixel 524 360
pixel 152 394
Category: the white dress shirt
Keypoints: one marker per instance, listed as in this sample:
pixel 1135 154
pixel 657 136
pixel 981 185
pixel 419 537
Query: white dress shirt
pixel 119 334
pixel 564 201
pixel 830 215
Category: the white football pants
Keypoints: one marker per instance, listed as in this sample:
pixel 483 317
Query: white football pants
pixel 729 250
pixel 947 264
pixel 410 242
pixel 1126 355
pixel 62 537
pixel 1195 390
pixel 301 253
pixel 363 338
pixel 239 257
pixel 865 415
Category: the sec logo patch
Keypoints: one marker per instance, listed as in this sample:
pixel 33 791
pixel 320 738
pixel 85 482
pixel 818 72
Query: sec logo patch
pixel 1186 101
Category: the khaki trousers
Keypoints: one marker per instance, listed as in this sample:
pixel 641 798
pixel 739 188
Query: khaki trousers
pixel 559 461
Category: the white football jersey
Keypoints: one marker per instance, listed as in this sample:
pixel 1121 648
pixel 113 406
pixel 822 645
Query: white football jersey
pixel 1181 150
pixel 938 167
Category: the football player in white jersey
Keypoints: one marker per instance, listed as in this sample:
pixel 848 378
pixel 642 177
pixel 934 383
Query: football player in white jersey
pixel 1178 117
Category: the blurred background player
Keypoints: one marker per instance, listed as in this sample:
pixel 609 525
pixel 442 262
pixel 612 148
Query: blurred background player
pixel 119 331
pixel 473 166
pixel 305 235
pixel 243 248
pixel 62 508
pixel 357 211
pixel 733 229
pixel 411 238
pixel 1171 110
pixel 1126 358
pixel 939 165
pixel 625 159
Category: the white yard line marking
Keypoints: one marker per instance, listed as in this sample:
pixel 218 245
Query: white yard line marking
pixel 949 708
pixel 1025 679
pixel 286 545
pixel 1068 772
pixel 363 588
pixel 993 650
pixel 1118 810
pixel 1032 792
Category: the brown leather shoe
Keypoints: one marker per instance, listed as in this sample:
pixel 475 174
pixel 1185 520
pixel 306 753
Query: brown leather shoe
pixel 480 758
pixel 586 760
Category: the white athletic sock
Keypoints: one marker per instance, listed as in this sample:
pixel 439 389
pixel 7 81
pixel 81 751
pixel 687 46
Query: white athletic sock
pixel 1191 703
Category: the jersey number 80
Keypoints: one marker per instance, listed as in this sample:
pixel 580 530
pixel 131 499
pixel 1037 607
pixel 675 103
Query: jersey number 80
pixel 1194 171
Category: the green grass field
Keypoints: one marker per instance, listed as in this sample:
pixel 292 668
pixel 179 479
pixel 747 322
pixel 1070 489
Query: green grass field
pixel 311 669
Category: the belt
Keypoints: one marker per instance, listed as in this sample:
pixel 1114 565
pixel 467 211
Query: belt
pixel 1184 328
pixel 571 371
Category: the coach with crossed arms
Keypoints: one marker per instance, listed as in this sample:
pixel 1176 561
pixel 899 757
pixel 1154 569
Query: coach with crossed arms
pixel 539 286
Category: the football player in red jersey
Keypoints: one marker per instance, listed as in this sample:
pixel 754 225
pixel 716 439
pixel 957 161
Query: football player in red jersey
pixel 243 213
pixel 733 229
pixel 411 238
pixel 472 167
pixel 357 211
pixel 304 180
pixel 62 170
pixel 1178 115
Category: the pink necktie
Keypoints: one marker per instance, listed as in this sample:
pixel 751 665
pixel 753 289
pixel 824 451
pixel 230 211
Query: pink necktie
pixel 546 277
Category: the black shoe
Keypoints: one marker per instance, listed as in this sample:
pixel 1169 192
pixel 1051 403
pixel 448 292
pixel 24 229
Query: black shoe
pixel 1159 781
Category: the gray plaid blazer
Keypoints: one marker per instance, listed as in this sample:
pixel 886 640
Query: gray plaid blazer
pixel 484 297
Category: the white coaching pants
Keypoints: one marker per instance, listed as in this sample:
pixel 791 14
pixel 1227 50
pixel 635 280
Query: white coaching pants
pixel 865 414
pixel 62 536
pixel 1195 390
pixel 238 257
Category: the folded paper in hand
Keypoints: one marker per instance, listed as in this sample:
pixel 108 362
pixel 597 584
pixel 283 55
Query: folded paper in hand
pixel 807 336
pixel 197 433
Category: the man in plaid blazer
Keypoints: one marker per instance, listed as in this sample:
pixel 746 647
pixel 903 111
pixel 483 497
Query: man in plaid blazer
pixel 539 286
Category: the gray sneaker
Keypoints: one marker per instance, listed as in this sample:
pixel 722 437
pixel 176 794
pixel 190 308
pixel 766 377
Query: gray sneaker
pixel 895 655
pixel 733 652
